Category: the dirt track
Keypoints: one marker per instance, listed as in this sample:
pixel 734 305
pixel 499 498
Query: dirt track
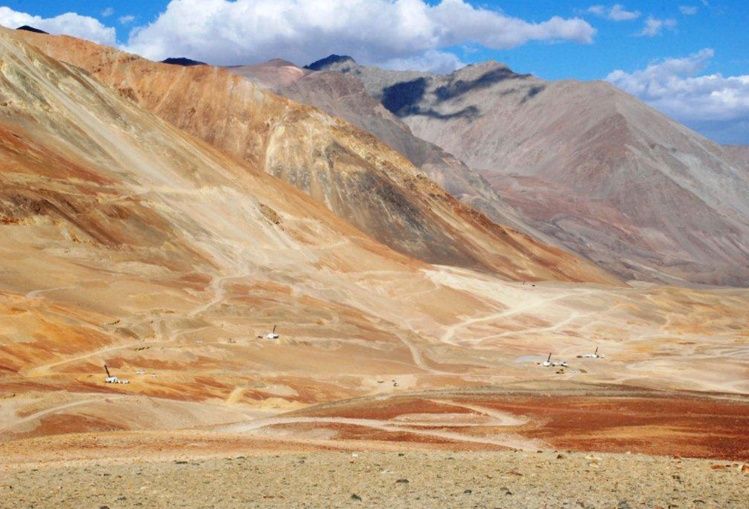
pixel 574 417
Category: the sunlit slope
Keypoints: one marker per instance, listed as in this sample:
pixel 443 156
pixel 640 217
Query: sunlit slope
pixel 606 175
pixel 343 95
pixel 359 178
pixel 120 228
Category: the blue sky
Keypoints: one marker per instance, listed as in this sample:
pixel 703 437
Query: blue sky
pixel 721 25
pixel 692 61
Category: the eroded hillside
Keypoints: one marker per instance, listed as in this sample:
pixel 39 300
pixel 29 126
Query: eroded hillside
pixel 343 95
pixel 607 176
pixel 351 172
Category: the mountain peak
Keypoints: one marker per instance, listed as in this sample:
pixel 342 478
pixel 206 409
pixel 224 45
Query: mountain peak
pixel 27 28
pixel 330 61
pixel 183 61
pixel 279 62
pixel 487 71
pixel 487 65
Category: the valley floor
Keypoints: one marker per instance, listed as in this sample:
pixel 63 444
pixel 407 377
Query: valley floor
pixel 259 478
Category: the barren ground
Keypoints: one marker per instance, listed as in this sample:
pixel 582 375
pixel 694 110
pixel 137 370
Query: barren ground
pixel 257 478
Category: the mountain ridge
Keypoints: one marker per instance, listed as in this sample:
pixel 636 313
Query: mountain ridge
pixel 593 143
pixel 362 181
pixel 344 96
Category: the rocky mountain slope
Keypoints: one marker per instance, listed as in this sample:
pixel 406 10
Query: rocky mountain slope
pixel 127 241
pixel 739 154
pixel 344 96
pixel 122 215
pixel 609 177
pixel 352 173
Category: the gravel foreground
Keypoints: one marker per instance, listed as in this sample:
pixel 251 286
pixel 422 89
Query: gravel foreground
pixel 384 479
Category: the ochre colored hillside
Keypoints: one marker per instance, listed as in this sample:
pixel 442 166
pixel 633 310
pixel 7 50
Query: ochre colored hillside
pixel 360 179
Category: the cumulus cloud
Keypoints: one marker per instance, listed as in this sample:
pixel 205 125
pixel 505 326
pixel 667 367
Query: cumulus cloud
pixel 430 61
pixel 654 26
pixel 688 10
pixel 383 32
pixel 617 12
pixel 715 104
pixel 126 20
pixel 69 23
pixel 107 12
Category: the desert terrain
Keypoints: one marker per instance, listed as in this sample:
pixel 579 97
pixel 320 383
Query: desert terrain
pixel 132 238
pixel 313 478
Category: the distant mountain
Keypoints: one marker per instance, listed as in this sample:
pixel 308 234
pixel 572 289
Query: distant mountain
pixel 27 28
pixel 609 177
pixel 357 177
pixel 344 96
pixel 328 61
pixel 274 74
pixel 186 62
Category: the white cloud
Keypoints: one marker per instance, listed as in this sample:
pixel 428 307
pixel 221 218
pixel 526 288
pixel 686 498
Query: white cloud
pixel 69 23
pixel 389 32
pixel 431 61
pixel 107 12
pixel 688 10
pixel 654 26
pixel 617 12
pixel 126 20
pixel 712 103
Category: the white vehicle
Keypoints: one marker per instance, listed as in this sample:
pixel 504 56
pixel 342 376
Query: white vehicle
pixel 272 335
pixel 594 355
pixel 110 379
pixel 548 363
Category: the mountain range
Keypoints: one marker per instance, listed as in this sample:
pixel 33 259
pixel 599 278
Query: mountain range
pixel 344 96
pixel 595 169
pixel 353 174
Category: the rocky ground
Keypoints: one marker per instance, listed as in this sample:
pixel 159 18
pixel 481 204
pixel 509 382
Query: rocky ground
pixel 383 479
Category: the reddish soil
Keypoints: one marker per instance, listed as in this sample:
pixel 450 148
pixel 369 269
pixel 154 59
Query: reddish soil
pixel 674 425
pixel 63 424
pixel 680 426
pixel 121 445
pixel 383 410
